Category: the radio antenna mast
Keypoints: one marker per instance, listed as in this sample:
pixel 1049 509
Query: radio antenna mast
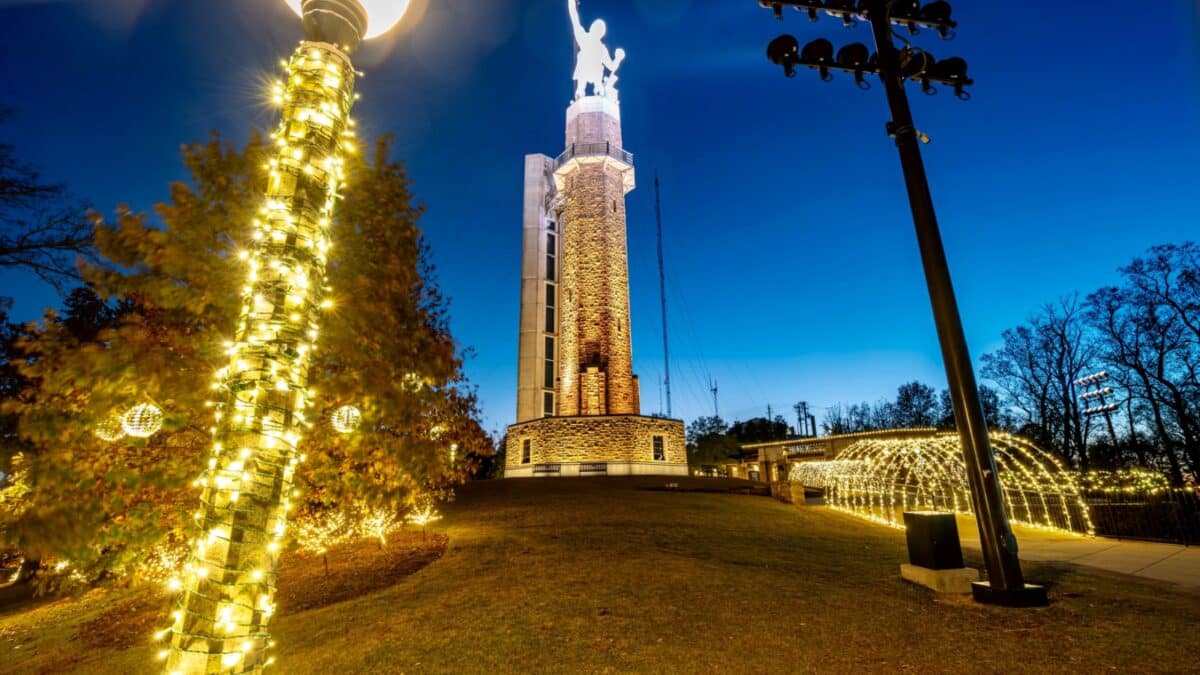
pixel 662 290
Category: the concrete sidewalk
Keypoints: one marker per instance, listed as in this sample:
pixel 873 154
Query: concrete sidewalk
pixel 1165 562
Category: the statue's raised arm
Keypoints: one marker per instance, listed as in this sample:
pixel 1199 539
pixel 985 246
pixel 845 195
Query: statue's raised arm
pixel 580 33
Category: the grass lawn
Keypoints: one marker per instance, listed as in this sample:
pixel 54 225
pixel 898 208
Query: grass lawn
pixel 596 575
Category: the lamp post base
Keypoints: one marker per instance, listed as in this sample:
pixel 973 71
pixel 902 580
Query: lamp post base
pixel 1031 595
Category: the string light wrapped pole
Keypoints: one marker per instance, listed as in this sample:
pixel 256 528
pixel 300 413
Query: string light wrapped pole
pixel 228 584
pixel 1006 583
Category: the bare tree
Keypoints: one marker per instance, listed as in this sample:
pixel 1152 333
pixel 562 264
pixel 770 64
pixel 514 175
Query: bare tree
pixel 916 405
pixel 1134 351
pixel 41 229
pixel 836 420
pixel 1037 368
pixel 1150 330
pixel 1020 369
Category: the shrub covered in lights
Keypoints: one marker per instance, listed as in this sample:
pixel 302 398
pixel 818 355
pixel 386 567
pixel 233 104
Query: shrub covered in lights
pixel 422 510
pixel 105 504
pixel 1133 480
pixel 319 528
pixel 879 479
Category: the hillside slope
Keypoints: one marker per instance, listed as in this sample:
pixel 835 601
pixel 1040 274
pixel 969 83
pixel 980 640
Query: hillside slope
pixel 608 575
pixel 595 575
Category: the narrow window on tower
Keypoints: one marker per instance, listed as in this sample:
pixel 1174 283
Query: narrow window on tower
pixel 551 301
pixel 525 451
pixel 660 454
pixel 548 404
pixel 551 256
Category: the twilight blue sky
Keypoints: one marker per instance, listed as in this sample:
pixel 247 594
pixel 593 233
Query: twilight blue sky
pixel 792 267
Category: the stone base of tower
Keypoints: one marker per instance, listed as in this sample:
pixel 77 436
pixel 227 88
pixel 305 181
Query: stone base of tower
pixel 610 445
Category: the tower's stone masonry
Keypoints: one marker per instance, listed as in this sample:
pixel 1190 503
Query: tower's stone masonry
pixel 596 427
pixel 614 445
pixel 595 350
pixel 596 362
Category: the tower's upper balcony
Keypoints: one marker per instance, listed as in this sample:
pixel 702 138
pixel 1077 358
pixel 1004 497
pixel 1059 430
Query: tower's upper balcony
pixel 594 153
pixel 594 150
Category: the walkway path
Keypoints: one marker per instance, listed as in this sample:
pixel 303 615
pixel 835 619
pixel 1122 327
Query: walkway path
pixel 1165 562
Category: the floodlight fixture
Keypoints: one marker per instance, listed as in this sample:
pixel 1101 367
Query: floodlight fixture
pixel 785 51
pixel 818 55
pixel 907 13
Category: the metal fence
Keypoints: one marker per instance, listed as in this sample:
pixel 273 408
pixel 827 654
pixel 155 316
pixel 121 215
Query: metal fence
pixel 1171 515
pixel 594 150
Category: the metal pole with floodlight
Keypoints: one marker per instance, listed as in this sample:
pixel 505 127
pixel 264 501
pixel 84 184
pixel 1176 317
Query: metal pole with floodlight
pixel 1095 390
pixel 1006 583
pixel 228 584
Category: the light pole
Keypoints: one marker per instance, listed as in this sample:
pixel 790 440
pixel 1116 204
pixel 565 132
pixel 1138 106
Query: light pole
pixel 1093 389
pixel 228 585
pixel 1006 584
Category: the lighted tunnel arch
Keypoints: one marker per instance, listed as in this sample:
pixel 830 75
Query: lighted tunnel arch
pixel 880 478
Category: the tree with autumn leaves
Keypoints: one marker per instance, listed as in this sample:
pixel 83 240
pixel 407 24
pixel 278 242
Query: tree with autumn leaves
pixel 173 285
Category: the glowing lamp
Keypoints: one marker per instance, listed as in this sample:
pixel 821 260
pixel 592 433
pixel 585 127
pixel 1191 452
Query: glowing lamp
pixel 351 21
pixel 142 420
pixel 345 420
pixel 110 429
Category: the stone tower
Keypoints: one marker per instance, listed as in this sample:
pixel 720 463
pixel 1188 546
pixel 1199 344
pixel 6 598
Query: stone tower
pixel 578 407
pixel 595 371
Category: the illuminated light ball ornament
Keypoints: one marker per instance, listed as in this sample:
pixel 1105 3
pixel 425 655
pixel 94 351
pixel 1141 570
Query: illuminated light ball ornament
pixel 142 420
pixel 413 382
pixel 383 15
pixel 110 430
pixel 346 419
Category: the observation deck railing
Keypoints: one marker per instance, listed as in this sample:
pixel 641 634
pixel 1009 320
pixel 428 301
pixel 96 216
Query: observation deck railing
pixel 593 150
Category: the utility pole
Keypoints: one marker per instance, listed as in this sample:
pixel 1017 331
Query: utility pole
pixel 804 419
pixel 716 409
pixel 662 292
pixel 1006 583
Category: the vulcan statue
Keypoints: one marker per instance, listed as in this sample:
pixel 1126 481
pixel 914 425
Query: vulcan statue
pixel 595 65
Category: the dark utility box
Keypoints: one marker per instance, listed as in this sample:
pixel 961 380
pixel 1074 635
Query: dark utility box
pixel 933 540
